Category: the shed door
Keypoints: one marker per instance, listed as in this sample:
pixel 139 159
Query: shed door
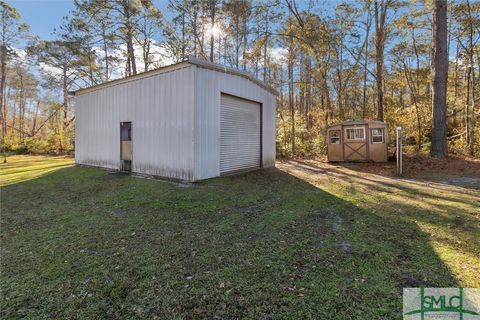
pixel 240 134
pixel 126 146
pixel 355 147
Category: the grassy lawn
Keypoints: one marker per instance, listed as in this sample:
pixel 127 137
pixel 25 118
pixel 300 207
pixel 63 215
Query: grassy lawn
pixel 23 168
pixel 304 240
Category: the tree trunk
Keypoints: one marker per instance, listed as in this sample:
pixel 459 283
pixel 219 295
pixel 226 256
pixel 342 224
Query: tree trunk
pixel 471 134
pixel 212 25
pixel 34 123
pixel 21 108
pixel 146 55
pixel 308 95
pixel 291 94
pixel 105 52
pixel 467 107
pixel 184 41
pixel 439 80
pixel 265 47
pixel 473 121
pixel 245 44
pixel 194 27
pixel 129 38
pixel 413 86
pixel 341 111
pixel 365 71
pixel 14 112
pixel 379 50
pixel 3 108
pixel 65 105
pixel 59 133
pixel 455 73
pixel 131 54
pixel 237 41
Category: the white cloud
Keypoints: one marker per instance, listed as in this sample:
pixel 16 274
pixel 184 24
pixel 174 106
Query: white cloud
pixel 278 54
pixel 50 70
pixel 20 56
pixel 158 56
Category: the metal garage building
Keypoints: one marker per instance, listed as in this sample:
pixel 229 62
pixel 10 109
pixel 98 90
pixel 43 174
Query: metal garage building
pixel 190 121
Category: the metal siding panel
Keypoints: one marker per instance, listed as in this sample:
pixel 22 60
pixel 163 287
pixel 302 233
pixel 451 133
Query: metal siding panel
pixel 207 125
pixel 269 131
pixel 162 135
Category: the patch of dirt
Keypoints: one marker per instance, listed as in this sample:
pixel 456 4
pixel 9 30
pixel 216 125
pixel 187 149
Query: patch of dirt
pixel 120 212
pixel 343 245
pixel 415 166
pixel 114 174
pixel 409 281
pixel 332 219
pixel 346 246
pixel 183 185
pixel 464 182
pixel 458 171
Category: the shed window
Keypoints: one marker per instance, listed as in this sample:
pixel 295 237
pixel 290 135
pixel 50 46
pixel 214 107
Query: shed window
pixel 355 133
pixel 377 135
pixel 335 137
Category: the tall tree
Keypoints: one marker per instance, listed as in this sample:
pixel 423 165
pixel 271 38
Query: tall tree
pixel 62 59
pixel 211 6
pixel 237 13
pixel 96 29
pixel 185 32
pixel 380 34
pixel 439 80
pixel 368 23
pixel 11 30
pixel 467 31
pixel 148 27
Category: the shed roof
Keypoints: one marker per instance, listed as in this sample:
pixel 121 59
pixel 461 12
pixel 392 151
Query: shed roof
pixel 356 122
pixel 190 61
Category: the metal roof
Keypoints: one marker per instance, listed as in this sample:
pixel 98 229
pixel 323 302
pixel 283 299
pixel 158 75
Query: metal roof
pixel 356 122
pixel 190 61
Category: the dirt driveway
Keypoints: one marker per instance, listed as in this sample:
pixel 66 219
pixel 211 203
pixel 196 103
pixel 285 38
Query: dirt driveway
pixel 418 172
pixel 443 204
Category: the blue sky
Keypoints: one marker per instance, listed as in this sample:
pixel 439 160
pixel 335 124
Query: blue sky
pixel 43 16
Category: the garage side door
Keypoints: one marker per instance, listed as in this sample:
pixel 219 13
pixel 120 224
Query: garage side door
pixel 239 134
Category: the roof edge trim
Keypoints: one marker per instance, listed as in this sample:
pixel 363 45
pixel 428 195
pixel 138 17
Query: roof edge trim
pixel 190 61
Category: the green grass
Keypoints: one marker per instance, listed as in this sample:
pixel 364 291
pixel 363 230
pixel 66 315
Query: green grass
pixel 278 243
pixel 23 168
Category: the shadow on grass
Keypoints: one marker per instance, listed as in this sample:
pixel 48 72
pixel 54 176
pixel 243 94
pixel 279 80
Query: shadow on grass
pixel 452 171
pixel 265 244
pixel 443 205
pixel 407 188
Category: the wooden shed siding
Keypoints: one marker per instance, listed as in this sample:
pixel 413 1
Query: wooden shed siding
pixel 374 152
pixel 378 151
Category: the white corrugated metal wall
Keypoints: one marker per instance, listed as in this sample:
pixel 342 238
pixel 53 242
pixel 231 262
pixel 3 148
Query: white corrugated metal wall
pixel 175 117
pixel 209 85
pixel 161 109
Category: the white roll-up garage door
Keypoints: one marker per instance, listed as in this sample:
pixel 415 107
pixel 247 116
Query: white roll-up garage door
pixel 239 134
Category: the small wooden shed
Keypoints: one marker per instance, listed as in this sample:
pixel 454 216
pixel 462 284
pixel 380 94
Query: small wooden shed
pixel 357 141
